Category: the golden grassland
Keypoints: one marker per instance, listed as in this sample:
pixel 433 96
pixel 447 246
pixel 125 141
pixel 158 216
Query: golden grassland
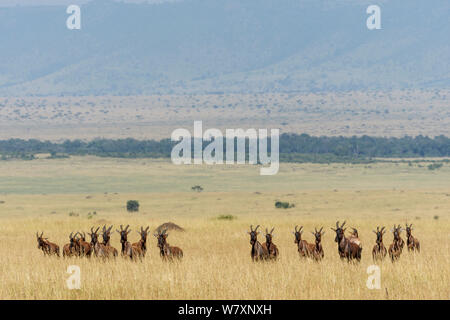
pixel 40 195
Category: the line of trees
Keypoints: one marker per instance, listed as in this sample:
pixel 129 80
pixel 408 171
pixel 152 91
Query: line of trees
pixel 293 148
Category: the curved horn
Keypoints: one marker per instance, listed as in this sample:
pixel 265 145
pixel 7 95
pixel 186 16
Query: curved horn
pixel 272 230
pixel 343 224
pixel 256 227
pixel 251 228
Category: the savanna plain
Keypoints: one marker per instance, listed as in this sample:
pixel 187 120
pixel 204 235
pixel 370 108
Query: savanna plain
pixel 58 196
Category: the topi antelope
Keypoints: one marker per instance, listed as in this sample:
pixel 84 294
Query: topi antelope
pixel 85 247
pixel 165 250
pixel 317 250
pixel 141 246
pixel 302 245
pixel 258 251
pixel 395 249
pixel 346 248
pixel 72 248
pixel 106 234
pixel 379 250
pixel 47 247
pixel 98 248
pixel 127 249
pixel 270 246
pixel 412 243
pixel 354 237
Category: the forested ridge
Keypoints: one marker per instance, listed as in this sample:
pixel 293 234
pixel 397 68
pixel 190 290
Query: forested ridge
pixel 293 148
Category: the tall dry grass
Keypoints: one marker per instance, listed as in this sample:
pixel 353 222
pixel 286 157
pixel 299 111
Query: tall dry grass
pixel 39 195
pixel 217 264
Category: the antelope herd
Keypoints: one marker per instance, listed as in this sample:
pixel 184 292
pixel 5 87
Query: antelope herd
pixel 349 247
pixel 78 246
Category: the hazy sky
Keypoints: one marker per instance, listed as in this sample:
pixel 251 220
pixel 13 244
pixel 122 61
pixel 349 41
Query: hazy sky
pixel 8 3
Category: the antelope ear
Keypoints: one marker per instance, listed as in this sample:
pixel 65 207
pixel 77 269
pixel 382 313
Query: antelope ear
pixel 333 229
pixel 323 233
pixel 313 233
pixel 374 231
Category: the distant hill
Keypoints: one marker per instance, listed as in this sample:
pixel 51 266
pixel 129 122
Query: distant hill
pixel 207 46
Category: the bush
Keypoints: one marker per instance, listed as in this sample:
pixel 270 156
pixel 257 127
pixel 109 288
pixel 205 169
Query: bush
pixel 283 205
pixel 434 166
pixel 132 206
pixel 197 188
pixel 226 217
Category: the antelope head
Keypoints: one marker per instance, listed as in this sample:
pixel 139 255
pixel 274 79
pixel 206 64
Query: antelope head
pixel 379 233
pixel 161 236
pixel 298 234
pixel 94 235
pixel 82 236
pixel 253 234
pixel 123 233
pixel 396 231
pixel 106 233
pixel 269 235
pixel 318 234
pixel 40 240
pixel 143 233
pixel 72 239
pixel 354 232
pixel 340 231
pixel 408 229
